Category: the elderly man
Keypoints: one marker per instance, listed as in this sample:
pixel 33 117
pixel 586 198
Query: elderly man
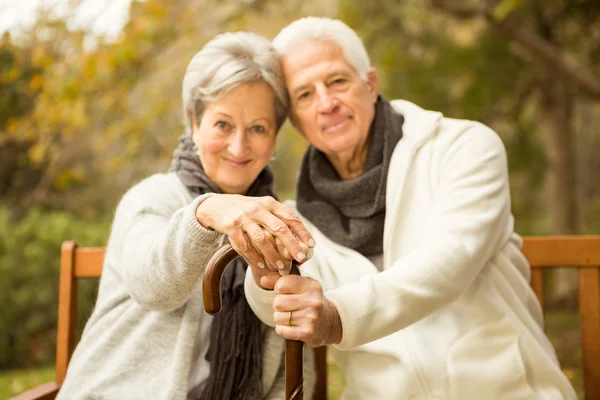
pixel 417 278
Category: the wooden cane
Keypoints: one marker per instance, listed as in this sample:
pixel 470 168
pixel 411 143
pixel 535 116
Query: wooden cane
pixel 211 289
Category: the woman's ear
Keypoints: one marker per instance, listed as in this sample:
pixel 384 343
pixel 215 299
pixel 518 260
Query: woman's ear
pixel 192 117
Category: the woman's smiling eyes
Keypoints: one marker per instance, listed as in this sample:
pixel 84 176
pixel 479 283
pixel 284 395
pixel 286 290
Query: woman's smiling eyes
pixel 258 129
pixel 226 126
pixel 222 125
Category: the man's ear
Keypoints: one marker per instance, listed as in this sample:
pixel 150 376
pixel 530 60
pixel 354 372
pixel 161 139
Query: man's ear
pixel 294 123
pixel 373 83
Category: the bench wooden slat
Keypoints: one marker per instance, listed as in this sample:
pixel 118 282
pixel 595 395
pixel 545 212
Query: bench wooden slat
pixel 67 311
pixel 589 306
pixel 537 284
pixel 564 251
pixel 88 262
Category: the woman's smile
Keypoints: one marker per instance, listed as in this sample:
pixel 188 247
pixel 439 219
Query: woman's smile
pixel 235 163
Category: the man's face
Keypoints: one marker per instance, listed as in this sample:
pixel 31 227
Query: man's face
pixel 331 105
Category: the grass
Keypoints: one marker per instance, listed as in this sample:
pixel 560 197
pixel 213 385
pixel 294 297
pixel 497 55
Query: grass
pixel 15 382
pixel 564 332
pixel 562 328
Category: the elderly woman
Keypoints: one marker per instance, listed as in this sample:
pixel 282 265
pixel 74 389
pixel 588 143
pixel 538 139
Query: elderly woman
pixel 149 337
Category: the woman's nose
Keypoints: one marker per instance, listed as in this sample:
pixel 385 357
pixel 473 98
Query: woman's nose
pixel 238 145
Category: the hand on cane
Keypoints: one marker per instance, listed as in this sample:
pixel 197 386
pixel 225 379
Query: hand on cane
pixel 248 222
pixel 267 277
pixel 302 312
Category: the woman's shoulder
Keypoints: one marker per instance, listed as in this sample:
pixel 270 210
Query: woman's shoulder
pixel 158 190
pixel 159 183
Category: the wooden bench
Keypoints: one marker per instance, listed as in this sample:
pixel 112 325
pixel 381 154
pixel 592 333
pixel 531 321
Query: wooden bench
pixel 543 253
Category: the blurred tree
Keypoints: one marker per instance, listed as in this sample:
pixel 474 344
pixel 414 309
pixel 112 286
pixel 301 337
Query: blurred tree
pixel 98 119
pixel 20 84
pixel 560 43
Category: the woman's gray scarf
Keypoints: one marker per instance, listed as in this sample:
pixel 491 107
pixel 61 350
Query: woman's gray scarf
pixel 235 352
pixel 352 212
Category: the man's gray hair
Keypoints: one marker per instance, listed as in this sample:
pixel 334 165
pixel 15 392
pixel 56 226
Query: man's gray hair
pixel 317 28
pixel 227 61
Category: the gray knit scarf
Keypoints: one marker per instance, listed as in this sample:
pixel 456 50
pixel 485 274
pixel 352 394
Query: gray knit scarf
pixel 352 212
pixel 235 351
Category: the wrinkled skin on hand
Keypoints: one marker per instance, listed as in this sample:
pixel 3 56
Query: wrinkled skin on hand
pixel 256 226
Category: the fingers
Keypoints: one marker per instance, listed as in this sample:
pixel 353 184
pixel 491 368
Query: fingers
pixel 294 333
pixel 298 317
pixel 268 281
pixel 308 251
pixel 301 326
pixel 247 220
pixel 264 277
pixel 294 292
pixel 244 248
pixel 260 242
pixel 278 228
pixel 292 220
pixel 296 284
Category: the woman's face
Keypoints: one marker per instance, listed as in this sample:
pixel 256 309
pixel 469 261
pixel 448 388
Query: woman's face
pixel 236 135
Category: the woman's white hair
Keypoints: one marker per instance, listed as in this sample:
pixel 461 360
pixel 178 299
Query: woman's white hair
pixel 317 28
pixel 227 61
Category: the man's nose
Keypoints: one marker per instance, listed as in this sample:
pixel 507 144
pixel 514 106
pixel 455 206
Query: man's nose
pixel 327 102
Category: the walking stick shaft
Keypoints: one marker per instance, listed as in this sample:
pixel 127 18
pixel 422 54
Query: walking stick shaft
pixel 211 289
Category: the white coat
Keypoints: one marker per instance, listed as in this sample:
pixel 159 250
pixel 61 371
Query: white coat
pixel 452 315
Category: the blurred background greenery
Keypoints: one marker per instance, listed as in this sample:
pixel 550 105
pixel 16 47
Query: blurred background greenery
pixel 84 116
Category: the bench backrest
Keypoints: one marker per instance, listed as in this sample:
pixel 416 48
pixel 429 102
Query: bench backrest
pixel 583 253
pixel 543 253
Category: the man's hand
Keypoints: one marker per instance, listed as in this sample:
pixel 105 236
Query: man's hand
pixel 314 320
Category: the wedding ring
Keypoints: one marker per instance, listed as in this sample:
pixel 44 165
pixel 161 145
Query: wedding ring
pixel 290 319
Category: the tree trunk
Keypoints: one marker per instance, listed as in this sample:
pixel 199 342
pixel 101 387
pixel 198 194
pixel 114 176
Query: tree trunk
pixel 561 189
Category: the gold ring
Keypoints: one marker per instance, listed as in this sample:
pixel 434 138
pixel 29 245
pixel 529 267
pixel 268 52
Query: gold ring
pixel 290 319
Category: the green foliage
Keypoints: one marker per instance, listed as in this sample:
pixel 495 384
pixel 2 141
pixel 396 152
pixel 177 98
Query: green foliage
pixel 15 382
pixel 29 266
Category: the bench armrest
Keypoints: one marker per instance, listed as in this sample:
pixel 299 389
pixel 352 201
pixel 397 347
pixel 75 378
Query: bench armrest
pixel 47 391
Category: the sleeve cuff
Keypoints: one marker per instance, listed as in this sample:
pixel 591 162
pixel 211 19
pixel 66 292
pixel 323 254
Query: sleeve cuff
pixel 259 299
pixel 193 228
pixel 342 300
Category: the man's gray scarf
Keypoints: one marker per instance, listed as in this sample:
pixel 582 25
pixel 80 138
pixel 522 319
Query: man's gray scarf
pixel 352 212
pixel 235 352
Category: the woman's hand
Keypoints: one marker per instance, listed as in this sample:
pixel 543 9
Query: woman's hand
pixel 266 278
pixel 247 221
pixel 302 312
